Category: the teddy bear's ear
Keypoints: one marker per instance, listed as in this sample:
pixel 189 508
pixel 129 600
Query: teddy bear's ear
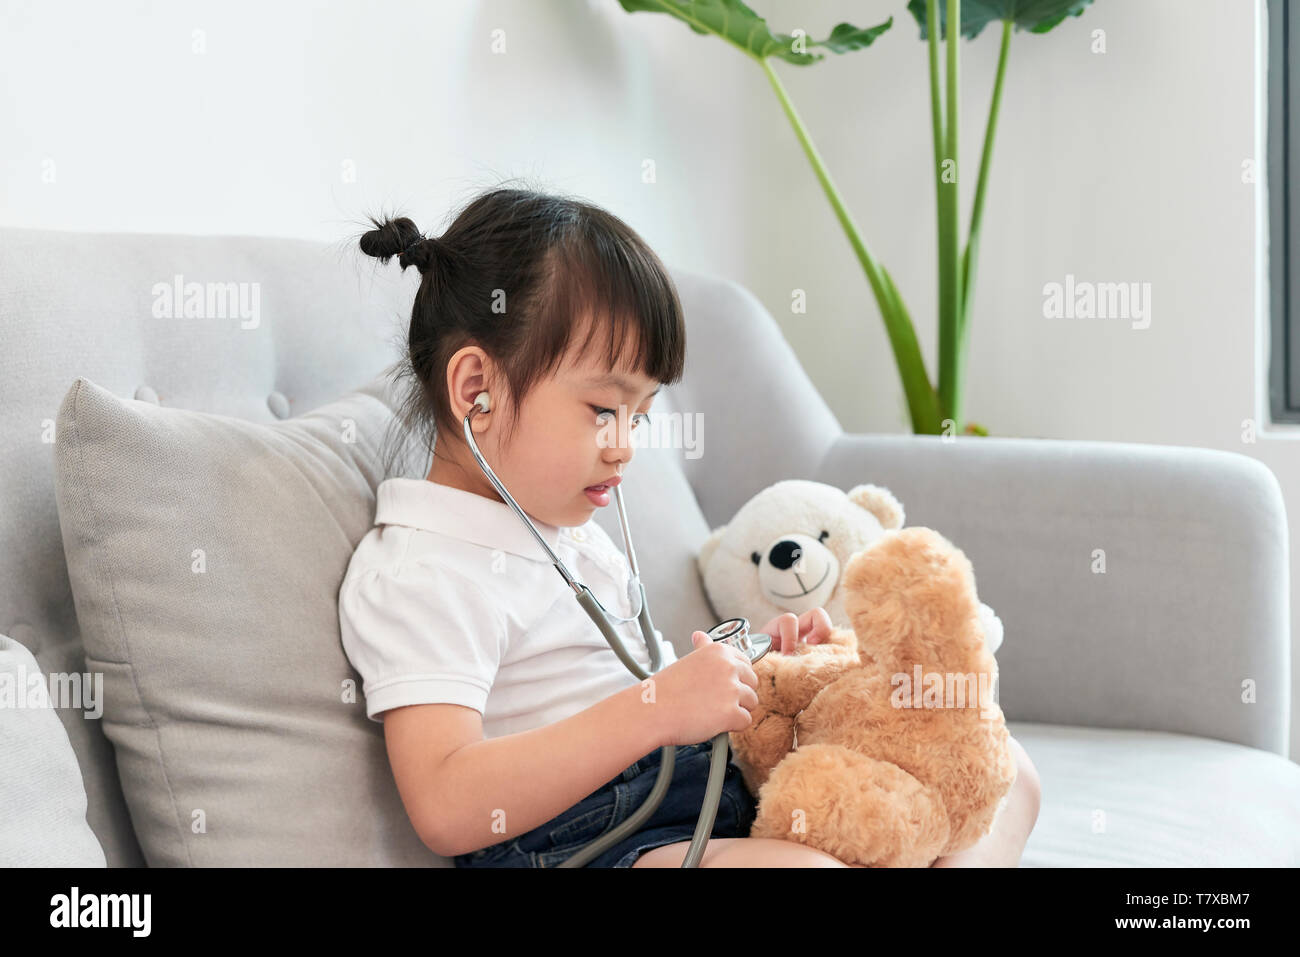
pixel 880 502
pixel 709 547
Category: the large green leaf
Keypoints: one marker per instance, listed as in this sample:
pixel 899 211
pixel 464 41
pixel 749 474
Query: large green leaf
pixel 737 24
pixel 1036 16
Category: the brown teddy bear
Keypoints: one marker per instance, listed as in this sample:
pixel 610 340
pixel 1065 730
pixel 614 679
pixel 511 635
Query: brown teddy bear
pixel 884 745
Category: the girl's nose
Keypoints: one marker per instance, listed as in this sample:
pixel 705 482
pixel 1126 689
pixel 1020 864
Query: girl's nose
pixel 617 454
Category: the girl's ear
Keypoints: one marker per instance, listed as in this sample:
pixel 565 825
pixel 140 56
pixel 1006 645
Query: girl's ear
pixel 469 375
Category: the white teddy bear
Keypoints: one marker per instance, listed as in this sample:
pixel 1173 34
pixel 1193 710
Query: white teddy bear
pixel 784 549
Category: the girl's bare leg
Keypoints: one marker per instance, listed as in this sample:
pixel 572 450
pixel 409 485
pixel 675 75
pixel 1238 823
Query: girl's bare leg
pixel 741 852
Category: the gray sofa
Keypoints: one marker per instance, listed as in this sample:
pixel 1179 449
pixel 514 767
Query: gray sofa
pixel 1153 695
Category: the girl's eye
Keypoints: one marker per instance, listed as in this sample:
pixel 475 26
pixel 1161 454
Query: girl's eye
pixel 637 418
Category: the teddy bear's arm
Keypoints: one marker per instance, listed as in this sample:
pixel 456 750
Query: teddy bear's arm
pixel 796 678
pixel 786 684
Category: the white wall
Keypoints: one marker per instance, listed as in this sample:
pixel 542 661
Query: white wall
pixel 1122 166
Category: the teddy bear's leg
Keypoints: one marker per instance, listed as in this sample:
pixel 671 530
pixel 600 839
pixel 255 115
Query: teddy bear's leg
pixel 762 745
pixel 984 770
pixel 963 757
pixel 856 808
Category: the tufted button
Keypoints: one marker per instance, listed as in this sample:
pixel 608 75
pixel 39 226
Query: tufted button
pixel 146 394
pixel 278 405
pixel 578 535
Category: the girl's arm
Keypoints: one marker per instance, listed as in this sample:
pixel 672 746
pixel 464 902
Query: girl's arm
pixel 463 792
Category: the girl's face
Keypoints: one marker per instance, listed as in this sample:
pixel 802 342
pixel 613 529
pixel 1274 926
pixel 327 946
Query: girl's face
pixel 575 430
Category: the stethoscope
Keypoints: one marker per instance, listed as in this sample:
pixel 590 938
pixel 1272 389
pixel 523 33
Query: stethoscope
pixel 734 631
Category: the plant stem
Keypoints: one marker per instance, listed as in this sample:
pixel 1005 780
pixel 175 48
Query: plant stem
pixel 971 257
pixel 922 402
pixel 936 104
pixel 950 291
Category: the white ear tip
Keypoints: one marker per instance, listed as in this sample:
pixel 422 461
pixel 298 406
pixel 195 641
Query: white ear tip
pixel 483 401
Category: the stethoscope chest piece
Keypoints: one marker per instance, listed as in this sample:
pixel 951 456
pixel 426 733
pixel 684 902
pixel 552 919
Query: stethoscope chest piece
pixel 735 632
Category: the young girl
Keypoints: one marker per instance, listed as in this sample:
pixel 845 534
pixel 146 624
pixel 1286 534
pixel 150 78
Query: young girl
pixel 515 734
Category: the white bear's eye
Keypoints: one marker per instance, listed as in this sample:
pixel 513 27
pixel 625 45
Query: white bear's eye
pixel 758 559
pixel 823 536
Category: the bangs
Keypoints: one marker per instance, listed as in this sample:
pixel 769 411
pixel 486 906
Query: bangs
pixel 621 293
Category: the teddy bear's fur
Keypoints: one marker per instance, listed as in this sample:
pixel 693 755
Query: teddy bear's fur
pixel 872 782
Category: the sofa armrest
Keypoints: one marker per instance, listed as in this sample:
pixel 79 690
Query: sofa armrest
pixel 1140 586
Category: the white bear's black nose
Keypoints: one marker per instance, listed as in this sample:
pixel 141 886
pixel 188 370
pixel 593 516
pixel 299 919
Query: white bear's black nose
pixel 784 554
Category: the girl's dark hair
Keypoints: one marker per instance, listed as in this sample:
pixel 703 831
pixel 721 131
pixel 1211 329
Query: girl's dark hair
pixel 516 273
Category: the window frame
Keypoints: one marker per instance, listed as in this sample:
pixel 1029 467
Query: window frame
pixel 1284 211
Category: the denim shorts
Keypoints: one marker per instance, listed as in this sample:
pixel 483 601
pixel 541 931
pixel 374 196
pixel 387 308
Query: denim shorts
pixel 552 842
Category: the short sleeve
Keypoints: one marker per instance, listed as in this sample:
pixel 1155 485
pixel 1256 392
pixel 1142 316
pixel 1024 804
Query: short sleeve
pixel 420 635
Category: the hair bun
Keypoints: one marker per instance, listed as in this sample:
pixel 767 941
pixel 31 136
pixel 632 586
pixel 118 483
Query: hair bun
pixel 398 237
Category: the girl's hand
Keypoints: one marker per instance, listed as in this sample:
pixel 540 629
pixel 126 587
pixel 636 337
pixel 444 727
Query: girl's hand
pixel 710 691
pixel 787 630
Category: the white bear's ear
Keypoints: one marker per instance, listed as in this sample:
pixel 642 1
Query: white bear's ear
pixel 709 547
pixel 880 502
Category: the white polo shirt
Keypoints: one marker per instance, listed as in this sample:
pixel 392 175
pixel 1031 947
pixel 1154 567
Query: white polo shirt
pixel 449 598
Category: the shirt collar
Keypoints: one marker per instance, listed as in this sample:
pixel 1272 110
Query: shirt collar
pixel 419 503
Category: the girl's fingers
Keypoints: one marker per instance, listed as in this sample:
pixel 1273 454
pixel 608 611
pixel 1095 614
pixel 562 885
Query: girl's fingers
pixel 789 632
pixel 815 626
pixel 823 624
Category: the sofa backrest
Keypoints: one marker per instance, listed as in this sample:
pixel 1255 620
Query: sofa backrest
pixel 302 323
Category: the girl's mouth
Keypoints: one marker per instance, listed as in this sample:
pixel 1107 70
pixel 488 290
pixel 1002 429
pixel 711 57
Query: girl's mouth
pixel 598 495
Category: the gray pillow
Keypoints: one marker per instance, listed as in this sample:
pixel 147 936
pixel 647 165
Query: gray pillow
pixel 205 554
pixel 41 791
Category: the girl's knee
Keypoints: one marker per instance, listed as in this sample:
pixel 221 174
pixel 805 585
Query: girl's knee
pixel 778 853
pixel 770 852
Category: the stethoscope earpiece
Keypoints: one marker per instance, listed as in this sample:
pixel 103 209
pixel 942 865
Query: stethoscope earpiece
pixel 483 401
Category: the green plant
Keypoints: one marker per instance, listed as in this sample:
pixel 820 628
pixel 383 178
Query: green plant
pixel 933 410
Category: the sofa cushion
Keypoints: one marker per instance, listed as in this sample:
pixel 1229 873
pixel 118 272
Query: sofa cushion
pixel 41 791
pixel 1124 798
pixel 205 554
